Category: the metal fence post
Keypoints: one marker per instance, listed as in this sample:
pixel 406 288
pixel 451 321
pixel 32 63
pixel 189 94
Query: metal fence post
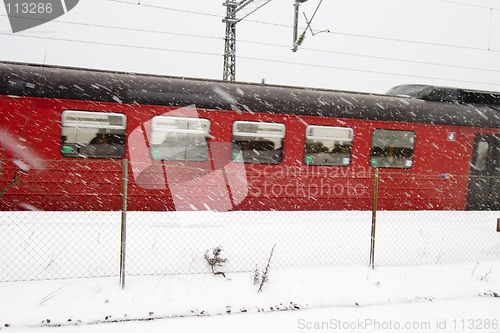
pixel 123 232
pixel 374 218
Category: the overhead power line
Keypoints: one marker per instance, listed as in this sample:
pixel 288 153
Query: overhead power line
pixel 251 58
pixel 93 25
pixel 370 71
pixel 369 56
pixel 339 33
pixel 392 39
pixel 165 8
pixel 277 45
pixel 104 26
pixel 469 4
pixel 111 44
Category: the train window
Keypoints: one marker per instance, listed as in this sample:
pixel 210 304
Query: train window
pixel 93 134
pixel 258 142
pixel 481 157
pixel 179 138
pixel 392 149
pixel 327 145
pixel 497 163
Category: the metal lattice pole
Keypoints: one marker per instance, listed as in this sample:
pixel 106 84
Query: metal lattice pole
pixel 233 7
pixel 230 44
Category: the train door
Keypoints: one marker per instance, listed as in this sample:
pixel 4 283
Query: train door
pixel 484 179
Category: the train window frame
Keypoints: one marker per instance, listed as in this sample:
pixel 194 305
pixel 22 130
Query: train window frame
pixel 482 149
pixel 93 134
pixel 189 133
pixel 258 137
pixel 331 138
pixel 497 157
pixel 384 156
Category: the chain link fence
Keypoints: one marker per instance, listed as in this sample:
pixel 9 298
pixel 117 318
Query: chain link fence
pixel 59 244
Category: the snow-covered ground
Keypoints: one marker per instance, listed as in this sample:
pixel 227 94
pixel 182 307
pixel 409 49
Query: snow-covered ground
pixel 447 276
pixel 457 297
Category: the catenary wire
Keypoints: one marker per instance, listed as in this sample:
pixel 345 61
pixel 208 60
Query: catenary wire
pixel 469 4
pixel 278 46
pixel 328 32
pixel 252 58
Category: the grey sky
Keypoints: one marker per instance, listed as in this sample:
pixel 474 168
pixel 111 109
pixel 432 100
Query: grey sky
pixel 372 44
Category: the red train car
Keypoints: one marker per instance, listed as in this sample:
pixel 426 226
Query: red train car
pixel 197 144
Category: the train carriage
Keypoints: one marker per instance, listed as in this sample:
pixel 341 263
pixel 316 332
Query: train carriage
pixel 195 144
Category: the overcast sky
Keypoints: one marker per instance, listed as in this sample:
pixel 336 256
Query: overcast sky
pixel 371 45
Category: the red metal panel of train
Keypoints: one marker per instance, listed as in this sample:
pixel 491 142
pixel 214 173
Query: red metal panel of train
pixel 210 145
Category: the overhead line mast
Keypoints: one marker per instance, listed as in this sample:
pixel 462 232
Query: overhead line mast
pixel 233 7
pixel 297 40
